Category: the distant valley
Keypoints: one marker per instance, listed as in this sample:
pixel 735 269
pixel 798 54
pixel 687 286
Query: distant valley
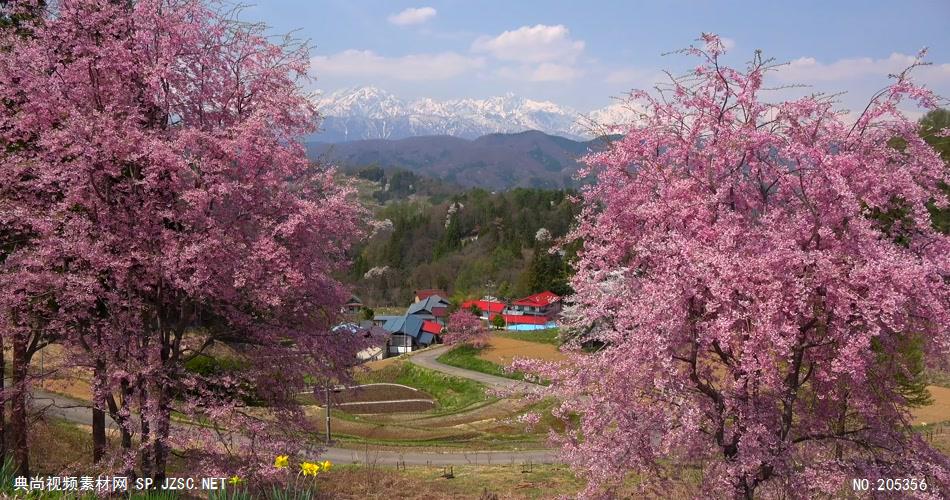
pixel 494 161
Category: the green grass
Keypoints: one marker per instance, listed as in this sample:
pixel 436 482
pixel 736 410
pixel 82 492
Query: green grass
pixel 451 393
pixel 389 311
pixel 466 356
pixel 549 336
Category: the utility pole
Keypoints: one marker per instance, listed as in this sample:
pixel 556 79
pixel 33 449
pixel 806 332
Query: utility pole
pixel 488 286
pixel 327 386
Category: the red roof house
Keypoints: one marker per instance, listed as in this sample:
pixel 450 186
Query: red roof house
pixel 495 306
pixel 431 327
pixel 542 299
pixel 546 304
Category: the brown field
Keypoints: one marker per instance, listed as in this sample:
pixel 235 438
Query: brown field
pixel 384 398
pixel 503 350
pixel 375 393
pixel 939 411
pixel 380 364
pixel 388 407
pixel 72 382
pixel 477 482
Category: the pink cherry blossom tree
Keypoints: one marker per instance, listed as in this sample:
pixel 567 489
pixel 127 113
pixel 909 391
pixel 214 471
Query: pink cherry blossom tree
pixel 465 328
pixel 152 151
pixel 753 312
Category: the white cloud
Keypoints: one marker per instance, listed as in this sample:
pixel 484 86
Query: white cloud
pixel 808 69
pixel 551 72
pixel 412 16
pixel 632 76
pixel 413 67
pixel 544 72
pixel 532 44
pixel 727 43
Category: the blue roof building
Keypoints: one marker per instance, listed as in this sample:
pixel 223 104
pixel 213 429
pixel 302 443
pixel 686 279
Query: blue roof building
pixel 407 332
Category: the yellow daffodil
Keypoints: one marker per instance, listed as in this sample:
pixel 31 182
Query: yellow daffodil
pixel 326 465
pixel 281 462
pixel 235 480
pixel 310 468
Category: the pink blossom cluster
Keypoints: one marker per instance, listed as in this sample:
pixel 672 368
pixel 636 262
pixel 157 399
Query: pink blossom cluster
pixel 466 328
pixel 156 205
pixel 749 307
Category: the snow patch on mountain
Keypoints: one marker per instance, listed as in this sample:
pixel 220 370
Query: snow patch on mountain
pixel 372 113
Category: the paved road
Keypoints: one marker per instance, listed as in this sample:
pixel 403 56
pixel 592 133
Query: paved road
pixel 427 359
pixel 80 412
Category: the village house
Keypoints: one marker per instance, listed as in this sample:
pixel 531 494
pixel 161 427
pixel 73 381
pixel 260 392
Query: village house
pixel 353 306
pixel 419 327
pixel 547 304
pixel 486 306
pixel 433 307
pixel 534 312
pixel 367 331
pixel 421 295
pixel 424 321
pixel 408 333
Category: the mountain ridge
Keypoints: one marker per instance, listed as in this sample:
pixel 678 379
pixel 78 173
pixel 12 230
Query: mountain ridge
pixel 492 161
pixel 368 112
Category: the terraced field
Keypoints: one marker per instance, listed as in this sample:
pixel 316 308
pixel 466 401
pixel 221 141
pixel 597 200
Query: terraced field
pixel 462 414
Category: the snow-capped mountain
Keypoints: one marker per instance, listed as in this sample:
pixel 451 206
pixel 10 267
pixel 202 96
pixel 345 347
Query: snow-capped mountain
pixel 371 113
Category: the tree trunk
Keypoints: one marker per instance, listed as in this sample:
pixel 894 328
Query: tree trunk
pixel 98 414
pixel 120 415
pixel 19 411
pixel 127 423
pixel 161 435
pixel 98 434
pixel 3 404
pixel 146 434
pixel 120 411
pixel 745 491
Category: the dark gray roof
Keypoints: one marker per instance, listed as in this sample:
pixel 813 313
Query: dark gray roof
pixel 426 338
pixel 427 305
pixel 405 325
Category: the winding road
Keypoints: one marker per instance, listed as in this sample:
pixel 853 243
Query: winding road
pixel 80 412
pixel 426 358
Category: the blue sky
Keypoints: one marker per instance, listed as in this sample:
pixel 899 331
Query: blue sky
pixel 581 54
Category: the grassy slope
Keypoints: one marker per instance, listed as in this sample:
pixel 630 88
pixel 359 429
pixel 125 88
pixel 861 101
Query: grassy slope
pixel 466 356
pixel 549 336
pixel 451 393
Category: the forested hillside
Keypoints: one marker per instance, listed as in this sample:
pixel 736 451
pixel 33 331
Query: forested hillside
pixel 496 161
pixel 467 242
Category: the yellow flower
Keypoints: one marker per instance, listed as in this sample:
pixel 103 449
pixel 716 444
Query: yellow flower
pixel 281 461
pixel 235 480
pixel 310 468
pixel 326 465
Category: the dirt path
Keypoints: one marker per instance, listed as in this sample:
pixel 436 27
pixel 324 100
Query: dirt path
pixel 427 359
